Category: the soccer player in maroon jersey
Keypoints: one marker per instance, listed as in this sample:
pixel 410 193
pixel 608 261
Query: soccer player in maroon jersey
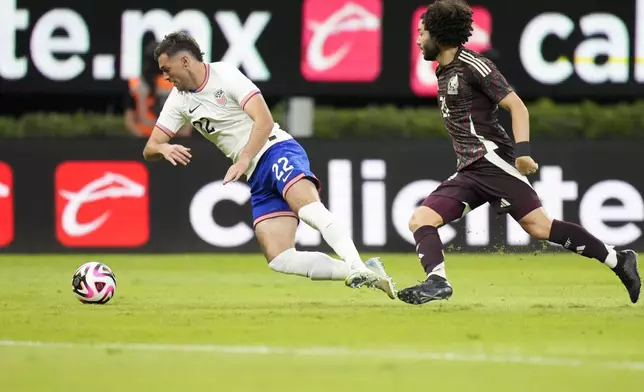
pixel 490 167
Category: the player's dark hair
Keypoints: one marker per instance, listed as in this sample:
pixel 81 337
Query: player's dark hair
pixel 176 42
pixel 449 22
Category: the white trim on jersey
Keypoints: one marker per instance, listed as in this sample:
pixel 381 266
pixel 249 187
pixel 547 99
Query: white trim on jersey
pixel 478 64
pixel 165 129
pixel 495 159
pixel 248 96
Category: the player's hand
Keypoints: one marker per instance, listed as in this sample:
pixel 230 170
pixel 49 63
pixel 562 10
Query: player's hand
pixel 236 170
pixel 526 165
pixel 176 153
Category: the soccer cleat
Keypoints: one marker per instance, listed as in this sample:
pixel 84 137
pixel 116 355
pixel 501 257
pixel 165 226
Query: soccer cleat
pixel 360 277
pixel 432 289
pixel 628 273
pixel 385 283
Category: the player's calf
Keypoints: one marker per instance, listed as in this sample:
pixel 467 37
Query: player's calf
pixel 569 235
pixel 424 223
pixel 575 238
pixel 319 266
pixel 314 265
pixel 539 231
pixel 276 237
pixel 302 197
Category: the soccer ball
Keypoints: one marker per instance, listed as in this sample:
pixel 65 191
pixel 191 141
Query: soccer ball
pixel 94 283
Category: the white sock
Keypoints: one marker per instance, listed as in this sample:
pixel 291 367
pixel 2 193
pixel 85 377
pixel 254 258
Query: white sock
pixel 314 265
pixel 439 270
pixel 611 259
pixel 317 216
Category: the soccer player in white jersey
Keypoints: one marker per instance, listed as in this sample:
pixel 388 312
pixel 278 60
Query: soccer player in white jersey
pixel 228 109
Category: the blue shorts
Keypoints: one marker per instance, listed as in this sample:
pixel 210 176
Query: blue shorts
pixel 281 166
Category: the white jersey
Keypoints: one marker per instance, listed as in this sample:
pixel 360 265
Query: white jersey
pixel 216 110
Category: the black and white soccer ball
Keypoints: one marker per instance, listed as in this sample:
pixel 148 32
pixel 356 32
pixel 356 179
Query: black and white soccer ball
pixel 94 283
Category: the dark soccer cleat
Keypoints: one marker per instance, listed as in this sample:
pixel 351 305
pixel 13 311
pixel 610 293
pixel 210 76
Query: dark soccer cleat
pixel 628 273
pixel 434 288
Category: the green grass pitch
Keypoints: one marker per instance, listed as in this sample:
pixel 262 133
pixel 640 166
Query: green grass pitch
pixel 550 322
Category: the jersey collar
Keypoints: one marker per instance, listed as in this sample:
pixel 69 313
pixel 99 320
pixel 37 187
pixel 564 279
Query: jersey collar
pixel 205 81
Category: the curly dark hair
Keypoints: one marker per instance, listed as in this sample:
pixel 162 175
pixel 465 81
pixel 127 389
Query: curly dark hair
pixel 176 42
pixel 449 22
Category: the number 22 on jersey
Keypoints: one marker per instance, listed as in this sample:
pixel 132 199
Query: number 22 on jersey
pixel 204 126
pixel 282 169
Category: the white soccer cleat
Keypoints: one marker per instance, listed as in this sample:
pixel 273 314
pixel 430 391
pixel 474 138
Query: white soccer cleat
pixel 373 275
pixel 384 282
pixel 361 277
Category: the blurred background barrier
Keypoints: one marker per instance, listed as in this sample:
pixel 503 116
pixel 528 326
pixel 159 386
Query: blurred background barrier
pixel 83 195
pixel 352 49
pixel 78 84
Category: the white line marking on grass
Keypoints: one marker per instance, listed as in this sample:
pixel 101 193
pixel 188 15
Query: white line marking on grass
pixel 333 352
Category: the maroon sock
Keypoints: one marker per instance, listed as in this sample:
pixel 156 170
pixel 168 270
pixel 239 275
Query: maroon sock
pixel 429 247
pixel 577 239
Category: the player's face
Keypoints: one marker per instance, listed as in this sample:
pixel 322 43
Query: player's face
pixel 175 70
pixel 426 44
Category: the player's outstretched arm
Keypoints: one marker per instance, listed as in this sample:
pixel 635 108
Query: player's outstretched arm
pixel 520 116
pixel 158 147
pixel 263 123
pixel 521 130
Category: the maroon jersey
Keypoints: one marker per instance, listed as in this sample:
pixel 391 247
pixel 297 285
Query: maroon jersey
pixel 469 90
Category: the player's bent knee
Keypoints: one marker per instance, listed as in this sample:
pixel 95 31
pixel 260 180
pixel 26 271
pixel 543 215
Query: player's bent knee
pixel 424 216
pixel 275 246
pixel 538 232
pixel 302 193
pixel 280 262
pixel 537 224
pixel 271 254
pixel 276 235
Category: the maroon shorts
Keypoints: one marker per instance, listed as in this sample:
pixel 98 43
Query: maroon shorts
pixel 499 184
